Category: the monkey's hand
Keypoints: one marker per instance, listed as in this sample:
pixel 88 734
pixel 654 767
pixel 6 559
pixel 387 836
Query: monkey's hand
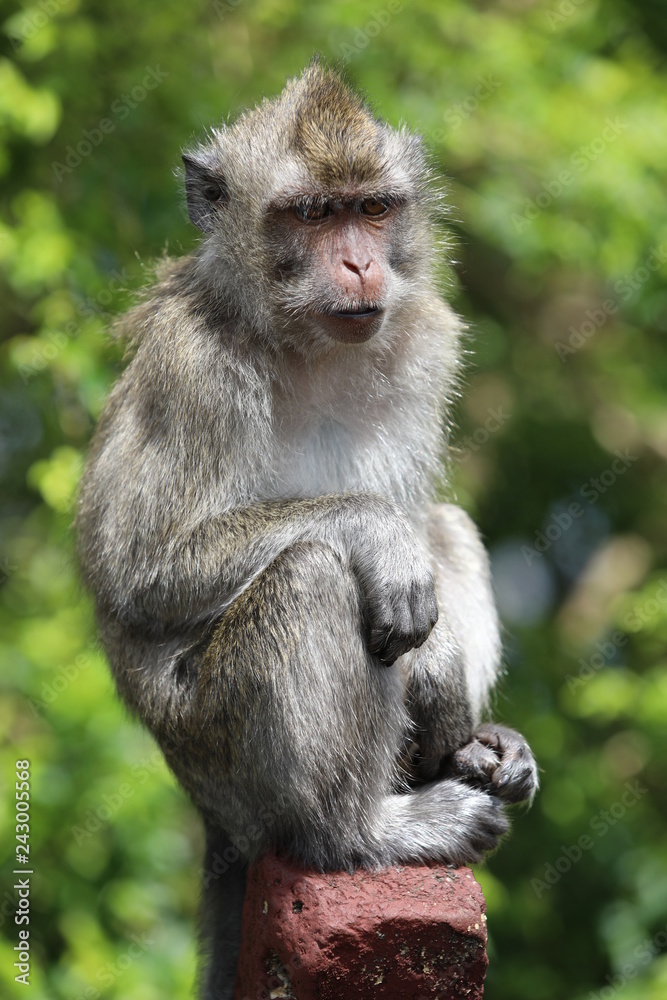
pixel 500 761
pixel 400 603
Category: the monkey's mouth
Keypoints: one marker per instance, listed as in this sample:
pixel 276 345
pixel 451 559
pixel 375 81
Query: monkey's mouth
pixel 354 324
pixel 358 312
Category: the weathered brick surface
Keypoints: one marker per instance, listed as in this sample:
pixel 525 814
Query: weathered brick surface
pixel 400 934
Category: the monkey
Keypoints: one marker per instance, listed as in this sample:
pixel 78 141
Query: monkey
pixel 308 634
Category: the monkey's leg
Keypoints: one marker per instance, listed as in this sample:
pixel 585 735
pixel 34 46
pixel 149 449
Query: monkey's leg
pixel 450 676
pixel 304 726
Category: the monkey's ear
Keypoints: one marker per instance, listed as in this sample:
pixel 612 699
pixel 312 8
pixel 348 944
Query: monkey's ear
pixel 205 192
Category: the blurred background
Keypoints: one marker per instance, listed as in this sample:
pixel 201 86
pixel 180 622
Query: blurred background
pixel 549 119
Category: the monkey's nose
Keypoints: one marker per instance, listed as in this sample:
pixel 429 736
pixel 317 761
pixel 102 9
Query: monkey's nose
pixel 357 266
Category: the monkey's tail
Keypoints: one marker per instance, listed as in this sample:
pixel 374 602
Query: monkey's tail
pixel 223 892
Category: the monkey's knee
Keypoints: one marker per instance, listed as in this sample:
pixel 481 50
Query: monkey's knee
pixel 314 572
pixel 453 534
pixel 316 596
pixel 307 588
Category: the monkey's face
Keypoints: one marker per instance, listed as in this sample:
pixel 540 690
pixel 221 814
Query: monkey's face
pixel 316 217
pixel 330 262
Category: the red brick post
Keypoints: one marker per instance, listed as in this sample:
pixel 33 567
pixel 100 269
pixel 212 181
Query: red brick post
pixel 399 934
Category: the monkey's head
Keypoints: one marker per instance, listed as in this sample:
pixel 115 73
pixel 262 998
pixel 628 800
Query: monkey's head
pixel 316 215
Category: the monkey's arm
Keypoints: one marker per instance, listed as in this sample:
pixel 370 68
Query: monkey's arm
pixel 203 568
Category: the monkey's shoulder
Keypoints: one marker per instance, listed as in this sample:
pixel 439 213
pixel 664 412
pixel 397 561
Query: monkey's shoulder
pixel 166 291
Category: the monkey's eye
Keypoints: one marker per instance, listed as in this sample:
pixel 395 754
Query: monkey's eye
pixel 212 192
pixel 373 207
pixel 312 211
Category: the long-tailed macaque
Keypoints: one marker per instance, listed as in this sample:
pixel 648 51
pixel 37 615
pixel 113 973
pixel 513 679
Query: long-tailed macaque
pixel 310 637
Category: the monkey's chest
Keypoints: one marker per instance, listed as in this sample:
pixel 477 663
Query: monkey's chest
pixel 327 456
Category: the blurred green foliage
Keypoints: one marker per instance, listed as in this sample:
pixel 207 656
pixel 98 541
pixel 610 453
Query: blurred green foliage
pixel 549 118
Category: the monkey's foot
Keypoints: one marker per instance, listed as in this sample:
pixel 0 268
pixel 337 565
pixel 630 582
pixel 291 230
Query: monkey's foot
pixel 500 761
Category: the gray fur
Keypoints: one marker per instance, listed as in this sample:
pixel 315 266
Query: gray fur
pixel 257 525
